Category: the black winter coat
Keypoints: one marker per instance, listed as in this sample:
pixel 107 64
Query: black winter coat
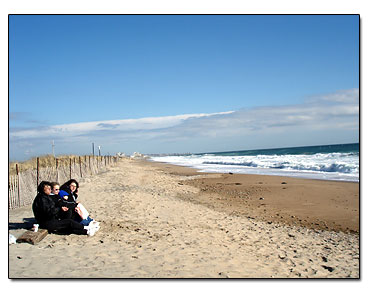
pixel 45 208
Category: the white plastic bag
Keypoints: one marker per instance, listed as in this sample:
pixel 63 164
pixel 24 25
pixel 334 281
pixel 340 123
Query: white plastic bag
pixel 12 239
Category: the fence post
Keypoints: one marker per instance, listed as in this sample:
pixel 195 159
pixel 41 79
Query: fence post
pixel 19 197
pixel 9 192
pixel 13 192
pixel 80 166
pixel 70 168
pixel 37 171
pixel 89 165
pixel 56 168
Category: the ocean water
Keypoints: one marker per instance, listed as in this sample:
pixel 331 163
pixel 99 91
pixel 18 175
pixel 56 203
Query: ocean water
pixel 329 162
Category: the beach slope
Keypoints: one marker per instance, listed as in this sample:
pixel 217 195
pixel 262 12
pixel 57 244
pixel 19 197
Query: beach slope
pixel 157 222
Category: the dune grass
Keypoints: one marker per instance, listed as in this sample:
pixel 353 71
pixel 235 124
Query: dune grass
pixel 44 161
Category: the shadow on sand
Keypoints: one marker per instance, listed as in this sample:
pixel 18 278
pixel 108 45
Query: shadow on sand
pixel 27 224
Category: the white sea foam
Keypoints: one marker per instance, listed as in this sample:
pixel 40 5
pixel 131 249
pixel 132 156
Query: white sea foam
pixel 330 166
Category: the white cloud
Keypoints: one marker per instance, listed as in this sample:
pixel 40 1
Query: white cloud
pixel 344 96
pixel 330 116
pixel 76 129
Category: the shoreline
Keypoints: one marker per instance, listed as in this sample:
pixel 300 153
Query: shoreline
pixel 197 172
pixel 247 173
pixel 313 203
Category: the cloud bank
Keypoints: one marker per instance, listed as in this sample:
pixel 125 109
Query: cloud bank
pixel 326 119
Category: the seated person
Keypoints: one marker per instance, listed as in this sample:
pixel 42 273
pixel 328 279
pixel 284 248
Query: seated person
pixel 78 215
pixel 68 214
pixel 47 212
pixel 72 188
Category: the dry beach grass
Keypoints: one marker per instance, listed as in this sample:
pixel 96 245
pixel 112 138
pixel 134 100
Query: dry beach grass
pixel 44 161
pixel 156 222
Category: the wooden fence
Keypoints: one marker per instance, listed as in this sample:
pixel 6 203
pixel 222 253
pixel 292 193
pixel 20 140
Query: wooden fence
pixel 23 185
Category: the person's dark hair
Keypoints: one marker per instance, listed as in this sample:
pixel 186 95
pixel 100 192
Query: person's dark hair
pixel 40 187
pixel 67 184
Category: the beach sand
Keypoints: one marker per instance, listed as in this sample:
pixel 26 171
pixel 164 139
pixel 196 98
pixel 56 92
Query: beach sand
pixel 317 204
pixel 165 221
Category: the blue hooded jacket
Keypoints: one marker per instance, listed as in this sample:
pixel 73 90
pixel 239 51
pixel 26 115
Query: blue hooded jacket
pixel 69 204
pixel 62 193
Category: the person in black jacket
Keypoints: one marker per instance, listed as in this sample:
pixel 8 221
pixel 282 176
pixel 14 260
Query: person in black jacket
pixel 47 212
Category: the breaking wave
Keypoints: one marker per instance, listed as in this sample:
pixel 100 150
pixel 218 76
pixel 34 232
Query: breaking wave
pixel 329 165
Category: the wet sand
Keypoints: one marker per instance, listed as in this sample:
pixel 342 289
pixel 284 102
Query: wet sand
pixel 317 204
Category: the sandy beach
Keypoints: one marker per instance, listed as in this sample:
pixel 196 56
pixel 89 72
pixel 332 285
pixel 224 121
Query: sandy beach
pixel 165 221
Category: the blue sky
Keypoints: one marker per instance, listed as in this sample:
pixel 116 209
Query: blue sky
pixel 181 83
